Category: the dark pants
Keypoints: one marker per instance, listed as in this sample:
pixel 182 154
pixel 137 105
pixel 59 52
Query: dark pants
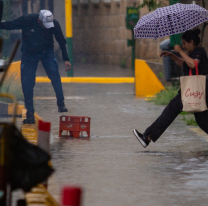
pixel 29 65
pixel 170 112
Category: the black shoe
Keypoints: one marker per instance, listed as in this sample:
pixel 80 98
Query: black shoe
pixel 62 109
pixel 142 139
pixel 30 119
pixel 26 121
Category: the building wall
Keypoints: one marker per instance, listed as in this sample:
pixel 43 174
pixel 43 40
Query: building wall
pixel 100 34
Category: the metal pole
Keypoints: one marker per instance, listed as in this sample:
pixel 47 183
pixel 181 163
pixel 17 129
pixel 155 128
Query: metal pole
pixel 42 4
pixel 69 33
pixel 50 5
pixel 24 7
pixel 133 51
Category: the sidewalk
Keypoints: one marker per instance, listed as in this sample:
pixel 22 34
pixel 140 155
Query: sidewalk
pixel 112 167
pixel 91 70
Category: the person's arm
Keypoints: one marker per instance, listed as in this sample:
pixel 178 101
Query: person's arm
pixel 189 61
pixel 175 58
pixel 62 43
pixel 18 23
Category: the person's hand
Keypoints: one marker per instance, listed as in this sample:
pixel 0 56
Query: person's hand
pixel 177 48
pixel 67 66
pixel 165 54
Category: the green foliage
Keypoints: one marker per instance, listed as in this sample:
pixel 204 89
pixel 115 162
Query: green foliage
pixel 164 96
pixel 13 87
pixel 123 62
pixel 190 120
pixel 5 58
pixel 161 75
pixel 186 113
pixel 151 4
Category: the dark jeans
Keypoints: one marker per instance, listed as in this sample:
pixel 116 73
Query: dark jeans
pixel 168 115
pixel 29 65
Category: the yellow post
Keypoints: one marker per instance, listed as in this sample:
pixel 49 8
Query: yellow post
pixel 69 33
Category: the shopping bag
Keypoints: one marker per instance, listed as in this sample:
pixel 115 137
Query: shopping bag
pixel 193 92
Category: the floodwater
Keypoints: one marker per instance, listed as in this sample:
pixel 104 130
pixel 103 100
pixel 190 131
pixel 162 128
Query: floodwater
pixel 111 166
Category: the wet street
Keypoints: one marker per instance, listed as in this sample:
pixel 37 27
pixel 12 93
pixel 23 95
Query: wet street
pixel 111 166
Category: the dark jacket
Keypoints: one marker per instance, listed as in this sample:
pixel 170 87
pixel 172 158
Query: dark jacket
pixel 35 38
pixel 200 54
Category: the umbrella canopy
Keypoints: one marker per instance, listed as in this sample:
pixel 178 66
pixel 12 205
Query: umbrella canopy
pixel 170 20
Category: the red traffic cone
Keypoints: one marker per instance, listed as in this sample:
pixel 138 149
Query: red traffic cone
pixel 71 196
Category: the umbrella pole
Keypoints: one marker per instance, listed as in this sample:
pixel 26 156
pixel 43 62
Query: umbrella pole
pixel 171 29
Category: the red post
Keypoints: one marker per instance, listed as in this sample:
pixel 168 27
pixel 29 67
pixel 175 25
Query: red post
pixel 71 196
pixel 44 129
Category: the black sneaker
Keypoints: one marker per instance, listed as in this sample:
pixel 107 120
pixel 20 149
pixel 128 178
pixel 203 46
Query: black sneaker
pixel 30 119
pixel 62 109
pixel 142 139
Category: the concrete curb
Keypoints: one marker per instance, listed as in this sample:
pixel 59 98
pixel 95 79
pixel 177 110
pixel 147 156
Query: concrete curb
pixel 96 80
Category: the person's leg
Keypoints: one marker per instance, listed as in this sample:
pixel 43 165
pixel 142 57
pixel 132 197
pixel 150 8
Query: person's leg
pixel 202 117
pixel 28 72
pixel 51 68
pixel 170 112
pixel 202 120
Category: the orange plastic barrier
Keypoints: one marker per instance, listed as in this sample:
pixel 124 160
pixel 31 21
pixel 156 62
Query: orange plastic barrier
pixel 74 125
